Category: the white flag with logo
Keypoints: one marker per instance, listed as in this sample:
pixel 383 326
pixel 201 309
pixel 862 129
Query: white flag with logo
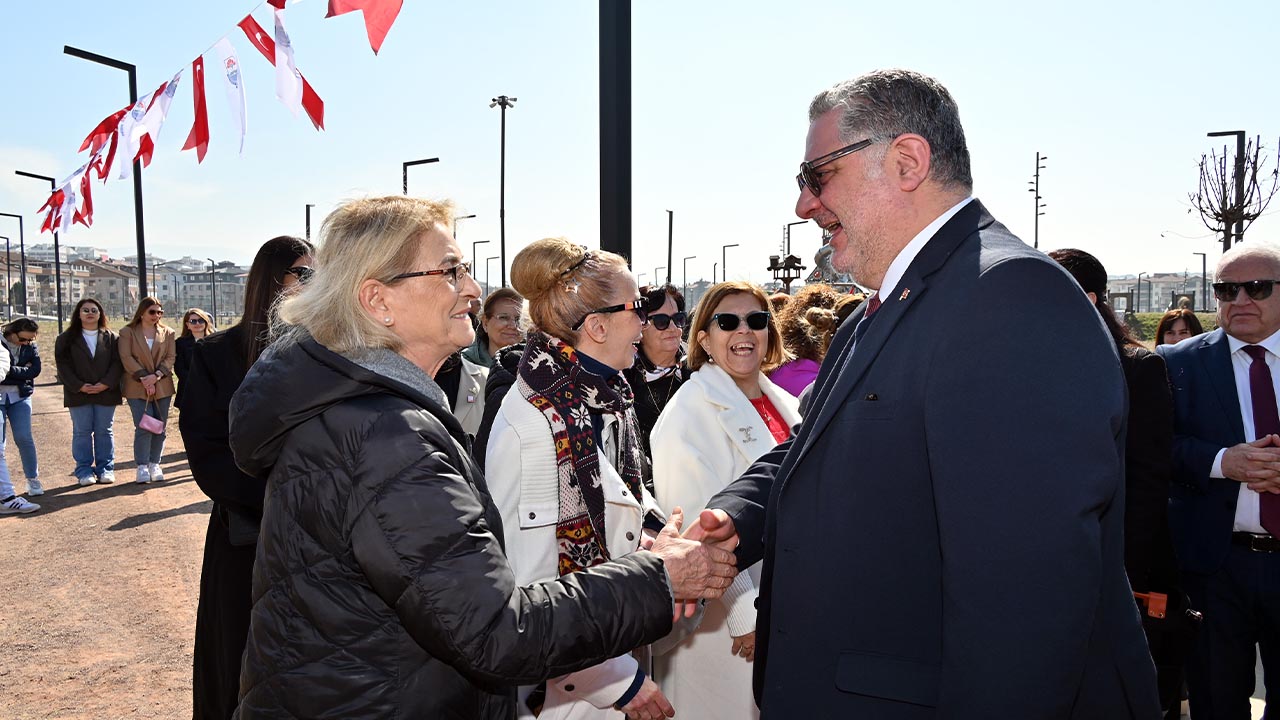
pixel 233 83
pixel 288 79
pixel 129 139
pixel 154 119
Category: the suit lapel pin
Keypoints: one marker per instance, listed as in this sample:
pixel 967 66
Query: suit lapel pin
pixel 905 293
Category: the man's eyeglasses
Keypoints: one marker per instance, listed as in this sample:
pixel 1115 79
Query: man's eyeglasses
pixel 302 272
pixel 662 321
pixel 636 306
pixel 461 269
pixel 729 322
pixel 809 178
pixel 1256 289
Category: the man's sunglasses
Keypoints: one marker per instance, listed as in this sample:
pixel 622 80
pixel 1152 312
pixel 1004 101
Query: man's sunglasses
pixel 302 272
pixel 662 321
pixel 808 177
pixel 1256 289
pixel 729 322
pixel 461 269
pixel 636 305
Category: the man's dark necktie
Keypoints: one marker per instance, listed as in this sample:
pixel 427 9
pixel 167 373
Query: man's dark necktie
pixel 1266 421
pixel 873 304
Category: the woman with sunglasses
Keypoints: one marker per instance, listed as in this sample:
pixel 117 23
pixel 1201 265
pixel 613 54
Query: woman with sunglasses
pixel 658 370
pixel 88 360
pixel 723 419
pixel 807 323
pixel 219 363
pixel 16 392
pixel 147 352
pixel 196 324
pixel 564 457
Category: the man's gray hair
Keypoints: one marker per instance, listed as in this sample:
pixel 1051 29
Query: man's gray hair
pixel 1266 252
pixel 884 104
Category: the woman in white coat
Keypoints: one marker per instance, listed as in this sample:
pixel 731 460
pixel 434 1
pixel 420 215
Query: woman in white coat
pixel 725 416
pixel 564 459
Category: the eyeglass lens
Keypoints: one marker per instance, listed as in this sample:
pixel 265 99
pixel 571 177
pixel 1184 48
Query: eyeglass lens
pixel 1255 289
pixel 729 322
pixel 662 321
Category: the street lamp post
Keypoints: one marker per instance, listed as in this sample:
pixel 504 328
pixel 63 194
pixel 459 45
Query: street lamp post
pixel 657 275
pixel 504 102
pixel 22 255
pixel 487 273
pixel 474 256
pixel 1239 177
pixel 57 255
pixel 404 170
pixel 1204 281
pixel 786 236
pixel 213 290
pixel 138 222
pixel 713 272
pixel 1139 303
pixel 1035 189
pixel 8 280
pixel 686 273
pixel 638 281
pixel 671 221
pixel 309 206
pixel 724 262
pixel 455 225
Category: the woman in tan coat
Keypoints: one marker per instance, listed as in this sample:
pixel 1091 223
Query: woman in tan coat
pixel 147 350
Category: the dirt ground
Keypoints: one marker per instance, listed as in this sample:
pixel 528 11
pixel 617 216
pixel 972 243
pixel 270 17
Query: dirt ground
pixel 99 588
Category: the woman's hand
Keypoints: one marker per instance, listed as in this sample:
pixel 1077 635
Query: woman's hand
pixel 649 703
pixel 745 646
pixel 88 389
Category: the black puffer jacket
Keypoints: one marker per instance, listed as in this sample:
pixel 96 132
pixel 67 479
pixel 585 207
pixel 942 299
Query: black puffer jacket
pixel 380 585
pixel 502 375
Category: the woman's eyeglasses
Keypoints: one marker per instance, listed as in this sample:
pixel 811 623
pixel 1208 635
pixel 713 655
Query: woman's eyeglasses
pixel 662 321
pixel 302 272
pixel 454 272
pixel 809 178
pixel 89 310
pixel 1255 289
pixel 153 311
pixel 195 321
pixel 729 322
pixel 636 305
pixel 25 340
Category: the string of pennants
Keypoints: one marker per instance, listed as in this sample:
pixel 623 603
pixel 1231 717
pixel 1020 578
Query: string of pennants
pixel 130 133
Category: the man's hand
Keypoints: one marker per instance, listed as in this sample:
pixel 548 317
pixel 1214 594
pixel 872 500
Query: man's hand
pixel 649 703
pixel 1254 462
pixel 695 569
pixel 714 527
pixel 745 645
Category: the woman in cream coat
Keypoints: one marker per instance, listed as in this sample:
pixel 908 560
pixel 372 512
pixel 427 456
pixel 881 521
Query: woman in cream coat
pixel 724 417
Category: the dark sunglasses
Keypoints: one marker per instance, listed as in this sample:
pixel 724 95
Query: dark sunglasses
pixel 808 177
pixel 302 272
pixel 636 305
pixel 1256 289
pixel 89 310
pixel 662 321
pixel 195 321
pixel 461 269
pixel 24 340
pixel 729 322
pixel 155 312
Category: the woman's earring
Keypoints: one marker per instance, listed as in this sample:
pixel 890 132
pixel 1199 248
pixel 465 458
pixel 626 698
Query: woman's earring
pixel 386 320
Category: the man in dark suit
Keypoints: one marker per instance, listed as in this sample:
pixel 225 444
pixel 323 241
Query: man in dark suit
pixel 943 537
pixel 1224 512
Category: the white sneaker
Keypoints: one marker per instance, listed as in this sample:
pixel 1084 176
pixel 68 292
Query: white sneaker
pixel 87 480
pixel 144 475
pixel 157 475
pixel 17 505
pixel 34 488
pixel 108 477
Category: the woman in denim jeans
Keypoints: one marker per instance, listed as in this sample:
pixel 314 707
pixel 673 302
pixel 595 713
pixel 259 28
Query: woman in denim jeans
pixel 89 366
pixel 15 395
pixel 147 352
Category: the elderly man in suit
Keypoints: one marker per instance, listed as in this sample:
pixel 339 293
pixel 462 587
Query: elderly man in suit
pixel 943 537
pixel 1225 511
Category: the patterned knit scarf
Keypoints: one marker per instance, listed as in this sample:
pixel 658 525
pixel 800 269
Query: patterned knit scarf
pixel 552 379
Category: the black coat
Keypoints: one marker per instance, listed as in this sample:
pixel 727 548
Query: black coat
pixel 77 368
pixel 502 375
pixel 1148 460
pixel 184 346
pixel 226 575
pixel 24 369
pixel 380 585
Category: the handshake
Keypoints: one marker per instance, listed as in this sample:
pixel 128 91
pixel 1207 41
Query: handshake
pixel 700 564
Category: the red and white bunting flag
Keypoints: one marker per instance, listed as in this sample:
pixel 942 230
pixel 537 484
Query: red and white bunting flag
pixel 379 15
pixel 198 138
pixel 311 102
pixel 54 205
pixel 288 79
pixel 233 84
pixel 154 119
pixel 128 138
pixel 100 134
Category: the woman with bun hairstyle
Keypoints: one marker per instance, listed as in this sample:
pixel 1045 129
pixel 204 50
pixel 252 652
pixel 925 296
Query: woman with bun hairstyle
pixel 807 324
pixel 564 457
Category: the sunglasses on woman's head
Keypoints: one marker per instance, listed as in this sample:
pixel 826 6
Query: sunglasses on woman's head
pixel 729 322
pixel 302 272
pixel 662 321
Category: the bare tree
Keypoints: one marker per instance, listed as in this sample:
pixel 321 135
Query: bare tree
pixel 1216 199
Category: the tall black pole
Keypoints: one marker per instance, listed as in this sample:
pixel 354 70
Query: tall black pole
pixel 8 280
pixel 1238 205
pixel 309 206
pixel 615 128
pixel 404 170
pixel 22 255
pixel 57 254
pixel 213 290
pixel 671 221
pixel 138 221
pixel 1204 281
pixel 724 260
pixel 503 102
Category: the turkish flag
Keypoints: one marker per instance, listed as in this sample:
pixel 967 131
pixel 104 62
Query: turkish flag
pixel 199 135
pixel 259 38
pixel 379 15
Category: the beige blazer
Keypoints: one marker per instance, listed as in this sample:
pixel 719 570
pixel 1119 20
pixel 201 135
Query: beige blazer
pixel 139 360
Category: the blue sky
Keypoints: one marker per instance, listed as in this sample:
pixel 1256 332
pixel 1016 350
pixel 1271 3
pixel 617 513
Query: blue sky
pixel 1118 95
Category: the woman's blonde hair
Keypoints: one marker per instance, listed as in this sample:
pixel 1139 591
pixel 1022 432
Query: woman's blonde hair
pixel 773 357
pixel 367 239
pixel 563 282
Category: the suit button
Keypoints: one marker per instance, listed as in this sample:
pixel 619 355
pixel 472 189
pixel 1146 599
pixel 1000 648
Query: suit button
pixel 533 515
pixel 631 536
pixel 568 688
